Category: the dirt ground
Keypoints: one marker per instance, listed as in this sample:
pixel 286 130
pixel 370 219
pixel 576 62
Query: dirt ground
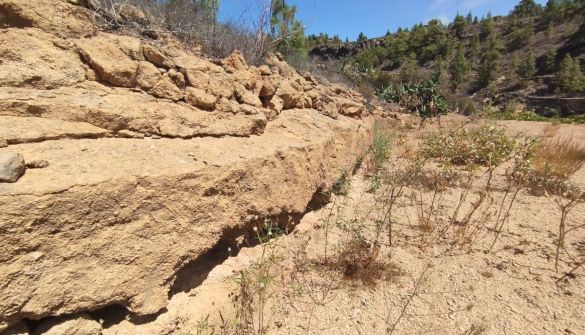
pixel 425 284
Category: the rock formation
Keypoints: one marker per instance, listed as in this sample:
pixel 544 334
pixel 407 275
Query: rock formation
pixel 140 158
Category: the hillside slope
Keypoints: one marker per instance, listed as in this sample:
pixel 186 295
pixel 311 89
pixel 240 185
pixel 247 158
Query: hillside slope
pixel 520 57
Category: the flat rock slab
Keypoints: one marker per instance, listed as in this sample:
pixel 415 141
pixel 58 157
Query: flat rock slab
pixel 118 109
pixel 17 130
pixel 111 221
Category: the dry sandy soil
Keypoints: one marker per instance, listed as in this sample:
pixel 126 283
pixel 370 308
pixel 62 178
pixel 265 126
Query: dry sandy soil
pixel 426 285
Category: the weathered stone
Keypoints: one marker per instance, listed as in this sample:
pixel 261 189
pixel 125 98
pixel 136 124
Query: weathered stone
pixel 108 60
pixel 234 62
pixel 228 106
pixel 11 167
pixel 265 70
pixel 3 143
pixel 148 76
pixel 30 58
pixel 177 78
pixel 291 97
pixel 199 98
pixel 55 17
pixel 157 57
pixel 129 134
pixel 81 324
pixel 246 97
pixel 167 89
pixel 276 104
pixel 217 84
pixel 269 86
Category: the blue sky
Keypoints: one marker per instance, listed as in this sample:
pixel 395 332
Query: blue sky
pixel 373 17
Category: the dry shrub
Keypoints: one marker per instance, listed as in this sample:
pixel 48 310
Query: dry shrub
pixel 559 158
pixel 358 261
pixel 192 24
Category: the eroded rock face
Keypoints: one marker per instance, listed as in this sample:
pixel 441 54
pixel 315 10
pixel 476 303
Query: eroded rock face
pixel 33 58
pixel 56 17
pixel 142 158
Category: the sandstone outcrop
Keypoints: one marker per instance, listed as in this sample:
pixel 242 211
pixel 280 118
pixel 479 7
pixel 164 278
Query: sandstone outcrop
pixel 143 157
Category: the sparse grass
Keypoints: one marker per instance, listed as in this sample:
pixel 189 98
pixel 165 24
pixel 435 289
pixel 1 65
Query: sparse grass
pixel 522 114
pixel 558 158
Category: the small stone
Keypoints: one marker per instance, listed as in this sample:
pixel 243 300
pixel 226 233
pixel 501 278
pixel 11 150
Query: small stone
pixel 39 164
pixel 155 137
pixel 11 167
pixel 129 134
pixel 3 143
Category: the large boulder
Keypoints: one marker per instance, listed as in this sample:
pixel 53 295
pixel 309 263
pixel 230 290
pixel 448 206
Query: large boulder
pixel 33 58
pixel 200 98
pixel 55 17
pixel 108 60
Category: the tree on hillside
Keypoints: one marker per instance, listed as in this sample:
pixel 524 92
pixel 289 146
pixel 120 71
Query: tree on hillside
pixel 552 11
pixel 527 8
pixel 459 25
pixel 527 68
pixel 475 48
pixel 409 71
pixel 362 37
pixel 288 32
pixel 459 67
pixel 490 62
pixel 550 61
pixel 487 26
pixel 522 36
pixel 469 18
pixel 570 78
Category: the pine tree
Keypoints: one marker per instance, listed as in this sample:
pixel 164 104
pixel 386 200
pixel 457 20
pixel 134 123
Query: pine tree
pixel 527 68
pixel 570 78
pixel 475 48
pixel 527 8
pixel 362 37
pixel 459 67
pixel 459 25
pixel 487 26
pixel 550 61
pixel 469 18
pixel 288 32
pixel 490 62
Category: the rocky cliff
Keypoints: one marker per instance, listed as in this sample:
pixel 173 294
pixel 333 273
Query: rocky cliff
pixel 128 159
